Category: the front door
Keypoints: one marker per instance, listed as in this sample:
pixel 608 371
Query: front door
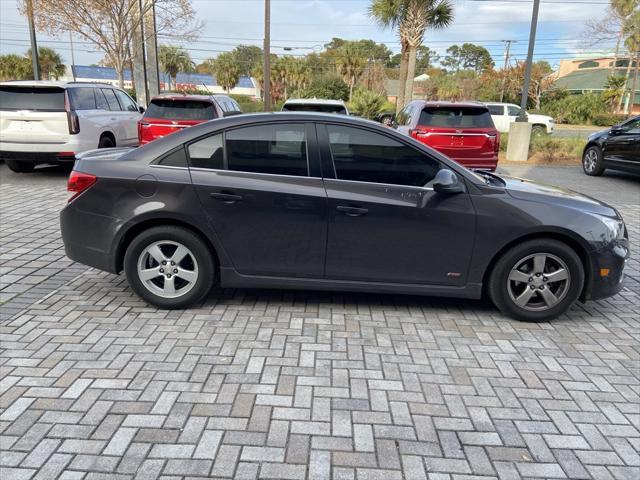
pixel 623 147
pixel 256 189
pixel 386 224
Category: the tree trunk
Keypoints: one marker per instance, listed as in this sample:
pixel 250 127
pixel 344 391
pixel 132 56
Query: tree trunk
pixel 120 72
pixel 411 73
pixel 350 89
pixel 624 87
pixel 634 84
pixel 402 80
pixel 615 55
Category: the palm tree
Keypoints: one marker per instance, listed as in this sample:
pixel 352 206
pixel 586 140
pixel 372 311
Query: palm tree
pixel 174 59
pixel 351 64
pixel 51 64
pixel 621 9
pixel 226 70
pixel 411 18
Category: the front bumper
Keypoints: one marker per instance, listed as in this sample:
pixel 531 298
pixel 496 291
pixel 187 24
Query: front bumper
pixel 608 270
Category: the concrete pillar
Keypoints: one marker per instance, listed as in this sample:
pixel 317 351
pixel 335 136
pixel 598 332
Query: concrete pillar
pixel 519 138
pixel 151 47
pixel 139 68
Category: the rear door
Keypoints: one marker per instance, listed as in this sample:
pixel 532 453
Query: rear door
pixel 116 117
pixel 465 134
pixel 33 115
pixel 263 194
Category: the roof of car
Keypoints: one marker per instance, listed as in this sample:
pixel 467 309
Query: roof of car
pixel 449 104
pixel 187 97
pixel 314 101
pixel 53 83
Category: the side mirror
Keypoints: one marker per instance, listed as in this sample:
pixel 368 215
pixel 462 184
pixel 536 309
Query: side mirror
pixel 616 130
pixel 447 182
pixel 141 109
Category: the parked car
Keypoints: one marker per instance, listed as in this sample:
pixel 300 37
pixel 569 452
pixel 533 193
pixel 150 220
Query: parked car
pixel 315 105
pixel 332 202
pixel 51 122
pixel 504 114
pixel 617 148
pixel 171 113
pixel 463 131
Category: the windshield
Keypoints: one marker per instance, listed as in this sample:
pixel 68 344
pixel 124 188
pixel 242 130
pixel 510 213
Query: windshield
pixel 44 99
pixel 313 107
pixel 456 117
pixel 180 109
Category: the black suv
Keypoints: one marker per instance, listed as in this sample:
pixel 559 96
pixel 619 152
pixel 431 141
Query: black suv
pixel 617 148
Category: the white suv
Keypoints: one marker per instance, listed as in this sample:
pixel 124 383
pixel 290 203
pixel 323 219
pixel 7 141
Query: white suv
pixel 51 122
pixel 315 105
pixel 503 114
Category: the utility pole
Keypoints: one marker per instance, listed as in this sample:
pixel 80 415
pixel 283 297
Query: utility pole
pixel 522 117
pixel 34 45
pixel 507 48
pixel 266 47
pixel 73 57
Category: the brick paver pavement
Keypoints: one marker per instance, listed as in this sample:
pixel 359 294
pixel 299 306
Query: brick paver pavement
pixel 94 384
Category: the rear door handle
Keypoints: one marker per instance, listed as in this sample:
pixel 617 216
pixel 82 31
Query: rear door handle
pixel 226 197
pixel 352 211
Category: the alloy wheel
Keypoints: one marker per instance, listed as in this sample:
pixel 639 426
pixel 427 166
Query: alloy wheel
pixel 590 160
pixel 167 269
pixel 538 282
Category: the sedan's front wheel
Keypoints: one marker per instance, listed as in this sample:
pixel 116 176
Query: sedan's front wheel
pixel 537 280
pixel 169 267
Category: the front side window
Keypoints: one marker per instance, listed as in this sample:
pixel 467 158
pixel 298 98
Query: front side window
pixel 279 149
pixel 126 102
pixel 496 109
pixel 82 98
pixel 101 101
pixel 365 156
pixel 111 99
pixel 207 153
pixel 632 126
pixel 513 111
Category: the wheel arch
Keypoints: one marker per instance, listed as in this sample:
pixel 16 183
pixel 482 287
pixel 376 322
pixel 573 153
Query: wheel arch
pixel 562 236
pixel 110 134
pixel 143 225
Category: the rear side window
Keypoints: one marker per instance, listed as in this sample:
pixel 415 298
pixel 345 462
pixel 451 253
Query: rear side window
pixel 101 101
pixel 126 102
pixel 177 158
pixel 170 109
pixel 43 99
pixel 207 153
pixel 82 98
pixel 111 99
pixel 455 117
pixel 279 149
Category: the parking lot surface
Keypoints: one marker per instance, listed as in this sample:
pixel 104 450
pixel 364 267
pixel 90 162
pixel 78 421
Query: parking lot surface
pixel 95 384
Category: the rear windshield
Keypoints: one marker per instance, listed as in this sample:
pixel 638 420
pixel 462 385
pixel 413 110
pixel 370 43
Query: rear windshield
pixel 456 117
pixel 45 99
pixel 180 110
pixel 311 107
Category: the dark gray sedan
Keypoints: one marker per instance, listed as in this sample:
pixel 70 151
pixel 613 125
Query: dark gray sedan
pixel 313 201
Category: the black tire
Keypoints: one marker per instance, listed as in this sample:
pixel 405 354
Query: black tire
pixel 204 261
pixel 503 291
pixel 538 131
pixel 592 163
pixel 106 142
pixel 20 167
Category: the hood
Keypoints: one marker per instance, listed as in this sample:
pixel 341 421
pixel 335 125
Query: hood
pixel 542 193
pixel 540 118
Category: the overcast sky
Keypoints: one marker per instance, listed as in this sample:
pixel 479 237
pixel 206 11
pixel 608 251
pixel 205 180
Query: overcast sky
pixel 306 25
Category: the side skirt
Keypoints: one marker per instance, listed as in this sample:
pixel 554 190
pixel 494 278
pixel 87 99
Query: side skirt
pixel 229 278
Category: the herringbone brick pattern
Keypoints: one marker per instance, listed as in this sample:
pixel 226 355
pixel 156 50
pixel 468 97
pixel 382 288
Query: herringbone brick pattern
pixel 94 384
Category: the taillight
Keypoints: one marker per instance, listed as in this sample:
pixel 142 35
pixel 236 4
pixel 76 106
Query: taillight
pixel 79 182
pixel 142 129
pixel 72 117
pixel 495 139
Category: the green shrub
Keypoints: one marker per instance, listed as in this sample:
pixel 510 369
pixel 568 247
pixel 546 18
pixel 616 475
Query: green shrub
pixel 576 109
pixel 367 104
pixel 329 87
pixel 556 148
pixel 608 119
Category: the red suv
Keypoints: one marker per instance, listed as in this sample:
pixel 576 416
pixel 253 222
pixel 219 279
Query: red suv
pixel 170 113
pixel 463 132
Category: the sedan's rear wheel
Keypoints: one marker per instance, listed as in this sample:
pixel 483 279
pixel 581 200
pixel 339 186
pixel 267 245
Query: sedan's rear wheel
pixel 592 161
pixel 169 267
pixel 20 166
pixel 537 280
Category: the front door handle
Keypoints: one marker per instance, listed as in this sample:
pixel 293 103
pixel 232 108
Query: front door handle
pixel 352 211
pixel 226 197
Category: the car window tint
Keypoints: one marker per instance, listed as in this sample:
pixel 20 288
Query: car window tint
pixel 170 109
pixel 207 153
pixel 496 109
pixel 633 126
pixel 101 101
pixel 366 156
pixel 111 99
pixel 82 98
pixel 455 117
pixel 43 99
pixel 126 102
pixel 513 111
pixel 277 149
pixel 177 158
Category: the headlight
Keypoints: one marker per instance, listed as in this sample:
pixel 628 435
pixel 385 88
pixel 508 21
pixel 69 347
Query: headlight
pixel 615 226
